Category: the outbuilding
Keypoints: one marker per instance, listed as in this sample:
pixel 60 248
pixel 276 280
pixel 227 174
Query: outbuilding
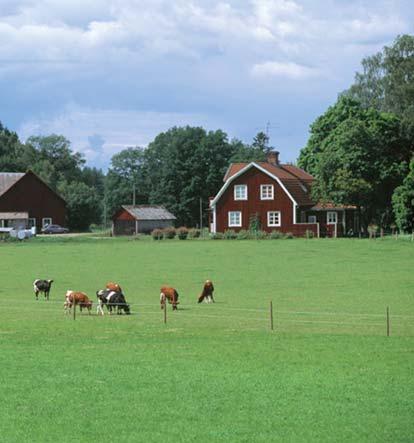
pixel 141 219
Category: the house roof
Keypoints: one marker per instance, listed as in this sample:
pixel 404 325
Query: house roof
pixel 296 181
pixel 8 179
pixel 146 212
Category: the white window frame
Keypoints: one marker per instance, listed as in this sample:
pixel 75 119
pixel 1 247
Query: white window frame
pixel 33 220
pixel 267 197
pixel 312 219
pixel 236 188
pixel 329 220
pixel 234 225
pixel 274 225
pixel 44 224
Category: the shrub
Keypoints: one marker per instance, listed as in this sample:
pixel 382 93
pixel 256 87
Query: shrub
pixel 289 235
pixel 157 234
pixel 230 234
pixel 168 233
pixel 259 235
pixel 182 233
pixel 217 236
pixel 243 235
pixel 309 233
pixel 276 235
pixel 194 233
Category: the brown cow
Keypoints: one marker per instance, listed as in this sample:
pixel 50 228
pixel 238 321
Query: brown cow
pixel 207 293
pixel 79 299
pixel 113 287
pixel 170 294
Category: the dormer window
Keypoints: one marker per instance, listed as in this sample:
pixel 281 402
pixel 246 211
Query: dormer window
pixel 266 192
pixel 240 192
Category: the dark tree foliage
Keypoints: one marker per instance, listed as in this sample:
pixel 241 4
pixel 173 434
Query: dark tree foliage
pixel 403 202
pixel 358 156
pixel 184 165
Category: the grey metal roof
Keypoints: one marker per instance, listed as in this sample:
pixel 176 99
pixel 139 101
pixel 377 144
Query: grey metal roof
pixel 146 212
pixel 8 179
pixel 14 215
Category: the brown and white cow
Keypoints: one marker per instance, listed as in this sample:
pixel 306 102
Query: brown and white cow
pixel 170 294
pixel 113 287
pixel 207 293
pixel 78 299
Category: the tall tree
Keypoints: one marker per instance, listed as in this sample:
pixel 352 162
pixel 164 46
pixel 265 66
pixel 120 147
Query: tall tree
pixel 403 202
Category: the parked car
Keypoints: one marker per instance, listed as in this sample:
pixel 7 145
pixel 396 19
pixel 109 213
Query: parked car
pixel 54 229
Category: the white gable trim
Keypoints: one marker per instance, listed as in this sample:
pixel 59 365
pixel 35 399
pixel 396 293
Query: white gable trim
pixel 241 172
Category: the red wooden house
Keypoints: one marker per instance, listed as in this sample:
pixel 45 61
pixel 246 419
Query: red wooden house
pixel 277 198
pixel 27 201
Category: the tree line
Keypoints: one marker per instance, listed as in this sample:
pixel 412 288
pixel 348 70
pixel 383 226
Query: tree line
pixel 180 169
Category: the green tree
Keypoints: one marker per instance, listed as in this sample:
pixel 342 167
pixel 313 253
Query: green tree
pixel 183 165
pixel 125 175
pixel 14 155
pixel 403 202
pixel 83 204
pixel 358 156
pixel 387 82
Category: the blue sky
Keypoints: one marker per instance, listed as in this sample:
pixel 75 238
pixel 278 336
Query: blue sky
pixel 109 74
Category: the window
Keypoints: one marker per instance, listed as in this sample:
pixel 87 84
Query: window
pixel 331 218
pixel 235 218
pixel 273 218
pixel 31 222
pixel 46 221
pixel 312 219
pixel 240 192
pixel 266 192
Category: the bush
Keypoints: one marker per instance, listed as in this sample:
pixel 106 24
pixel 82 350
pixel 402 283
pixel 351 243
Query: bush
pixel 217 236
pixel 259 235
pixel 157 234
pixel 230 234
pixel 276 235
pixel 194 233
pixel 182 233
pixel 243 235
pixel 289 235
pixel 309 234
pixel 168 233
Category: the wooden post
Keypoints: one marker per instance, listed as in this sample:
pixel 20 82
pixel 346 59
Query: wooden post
pixel 271 315
pixel 74 308
pixel 165 312
pixel 388 321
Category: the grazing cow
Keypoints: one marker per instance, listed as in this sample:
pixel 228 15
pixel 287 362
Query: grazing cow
pixel 207 293
pixel 78 299
pixel 170 294
pixel 42 286
pixel 112 300
pixel 113 287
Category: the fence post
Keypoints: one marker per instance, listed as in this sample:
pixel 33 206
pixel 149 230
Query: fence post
pixel 271 315
pixel 388 321
pixel 165 312
pixel 74 309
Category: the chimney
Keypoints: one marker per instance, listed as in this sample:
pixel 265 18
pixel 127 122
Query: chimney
pixel 273 158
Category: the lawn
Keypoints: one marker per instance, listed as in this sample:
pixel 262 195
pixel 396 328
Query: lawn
pixel 327 372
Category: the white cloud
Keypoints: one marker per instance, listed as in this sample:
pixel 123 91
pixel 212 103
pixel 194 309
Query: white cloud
pixel 117 129
pixel 284 69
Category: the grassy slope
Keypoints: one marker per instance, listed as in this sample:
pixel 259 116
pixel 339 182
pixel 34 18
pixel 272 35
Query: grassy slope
pixel 214 373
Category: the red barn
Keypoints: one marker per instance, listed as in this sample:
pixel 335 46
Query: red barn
pixel 26 201
pixel 275 197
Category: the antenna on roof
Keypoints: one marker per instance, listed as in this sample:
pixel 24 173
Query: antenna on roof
pixel 266 130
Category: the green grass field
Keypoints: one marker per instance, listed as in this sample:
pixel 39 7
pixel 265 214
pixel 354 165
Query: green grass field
pixel 214 372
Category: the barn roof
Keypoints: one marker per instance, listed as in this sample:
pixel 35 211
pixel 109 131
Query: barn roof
pixel 147 212
pixel 8 179
pixel 296 181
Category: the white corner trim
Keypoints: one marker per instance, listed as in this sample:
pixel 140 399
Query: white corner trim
pixel 242 171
